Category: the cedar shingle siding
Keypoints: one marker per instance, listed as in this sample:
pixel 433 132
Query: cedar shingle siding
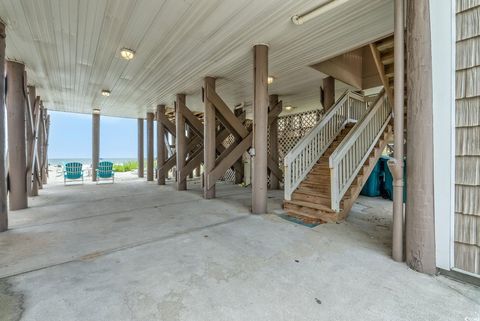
pixel 467 137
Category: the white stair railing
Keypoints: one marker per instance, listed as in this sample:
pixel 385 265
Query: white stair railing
pixel 348 158
pixel 300 160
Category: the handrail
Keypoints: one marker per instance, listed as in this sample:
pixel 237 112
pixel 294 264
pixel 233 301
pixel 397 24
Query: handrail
pixel 301 159
pixel 348 158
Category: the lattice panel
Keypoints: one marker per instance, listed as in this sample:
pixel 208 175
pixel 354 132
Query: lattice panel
pixel 229 175
pixel 291 128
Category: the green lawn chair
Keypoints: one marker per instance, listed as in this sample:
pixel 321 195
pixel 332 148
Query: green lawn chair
pixel 72 172
pixel 105 171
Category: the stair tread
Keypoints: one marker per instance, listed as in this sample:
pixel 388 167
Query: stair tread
pixel 306 217
pixel 311 205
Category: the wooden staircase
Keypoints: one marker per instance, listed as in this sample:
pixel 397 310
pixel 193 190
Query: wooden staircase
pixel 383 54
pixel 311 201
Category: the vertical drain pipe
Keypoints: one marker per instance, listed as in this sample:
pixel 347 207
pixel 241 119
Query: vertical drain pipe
pixel 396 165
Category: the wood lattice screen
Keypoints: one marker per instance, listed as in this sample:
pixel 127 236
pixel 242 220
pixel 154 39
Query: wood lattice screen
pixel 291 128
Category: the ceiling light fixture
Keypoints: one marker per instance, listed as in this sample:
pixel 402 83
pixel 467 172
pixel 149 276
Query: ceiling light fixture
pixel 301 19
pixel 105 93
pixel 270 80
pixel 288 108
pixel 127 54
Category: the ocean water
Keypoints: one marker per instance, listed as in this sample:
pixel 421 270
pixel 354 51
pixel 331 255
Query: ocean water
pixel 88 161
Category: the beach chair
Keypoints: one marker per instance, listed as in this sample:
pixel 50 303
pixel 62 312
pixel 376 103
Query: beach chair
pixel 105 171
pixel 72 171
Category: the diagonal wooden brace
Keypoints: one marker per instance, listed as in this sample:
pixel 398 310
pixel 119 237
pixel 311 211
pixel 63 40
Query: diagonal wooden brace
pixel 193 162
pixel 225 115
pixel 229 160
pixel 195 124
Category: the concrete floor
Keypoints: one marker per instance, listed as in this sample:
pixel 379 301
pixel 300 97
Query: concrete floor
pixel 138 251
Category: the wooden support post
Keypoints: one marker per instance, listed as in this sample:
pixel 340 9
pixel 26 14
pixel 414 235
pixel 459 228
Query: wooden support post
pixel 17 159
pixel 328 93
pixel 150 159
pixel 260 125
pixel 273 142
pixel 230 124
pixel 420 229
pixel 161 150
pixel 45 148
pixel 95 143
pixel 40 145
pixel 180 141
pixel 209 143
pixel 140 154
pixel 33 166
pixel 3 174
pixel 30 135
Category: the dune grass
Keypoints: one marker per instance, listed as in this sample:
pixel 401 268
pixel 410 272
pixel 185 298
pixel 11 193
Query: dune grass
pixel 125 167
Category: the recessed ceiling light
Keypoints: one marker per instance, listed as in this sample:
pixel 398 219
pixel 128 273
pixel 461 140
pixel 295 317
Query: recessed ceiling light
pixel 96 111
pixel 127 54
pixel 105 93
pixel 288 107
pixel 270 80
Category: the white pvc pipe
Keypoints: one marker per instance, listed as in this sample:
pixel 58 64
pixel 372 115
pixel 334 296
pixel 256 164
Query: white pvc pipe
pixel 396 165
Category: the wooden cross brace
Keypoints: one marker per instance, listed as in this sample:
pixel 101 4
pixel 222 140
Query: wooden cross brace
pixel 167 165
pixel 243 138
pixel 190 156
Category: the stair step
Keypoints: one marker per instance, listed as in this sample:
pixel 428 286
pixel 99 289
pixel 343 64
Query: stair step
pixel 319 172
pixel 312 205
pixel 309 214
pixel 320 199
pixel 387 57
pixel 305 217
pixel 317 187
pixel 385 44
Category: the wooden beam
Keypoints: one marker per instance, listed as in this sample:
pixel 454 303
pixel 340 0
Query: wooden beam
pixel 419 208
pixel 275 108
pixel 226 116
pixel 195 124
pixel 274 168
pixel 3 168
pixel 167 123
pixel 169 163
pixel 328 93
pixel 161 150
pixel 34 161
pixel 238 166
pixel 260 127
pixel 95 144
pixel 180 142
pixel 140 153
pixel 150 142
pixel 210 142
pixel 275 112
pixel 194 161
pixel 229 160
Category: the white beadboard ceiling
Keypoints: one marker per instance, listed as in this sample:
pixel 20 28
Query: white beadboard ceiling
pixel 71 48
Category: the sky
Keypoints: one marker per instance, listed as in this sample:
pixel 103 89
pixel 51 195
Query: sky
pixel 71 136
